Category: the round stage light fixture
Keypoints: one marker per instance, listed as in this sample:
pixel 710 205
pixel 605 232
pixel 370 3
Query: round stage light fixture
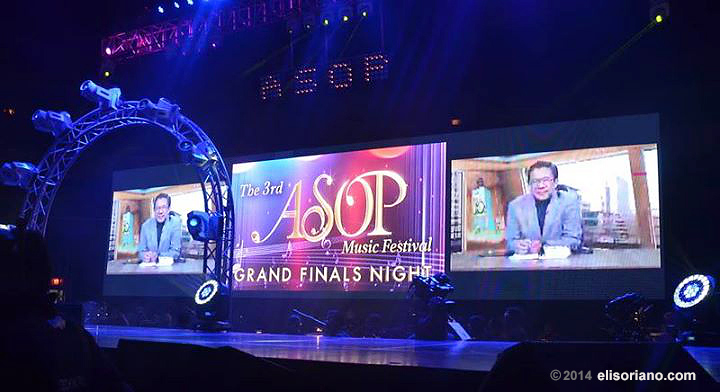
pixel 693 290
pixel 161 9
pixel 193 222
pixel 206 292
pixel 658 18
pixel 212 306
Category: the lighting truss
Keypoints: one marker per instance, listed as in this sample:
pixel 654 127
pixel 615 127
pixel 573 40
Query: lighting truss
pixel 68 146
pixel 171 34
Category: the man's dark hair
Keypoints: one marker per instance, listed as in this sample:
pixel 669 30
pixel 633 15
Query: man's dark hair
pixel 541 164
pixel 165 196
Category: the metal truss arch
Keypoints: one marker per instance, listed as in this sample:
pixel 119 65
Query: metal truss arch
pixel 213 174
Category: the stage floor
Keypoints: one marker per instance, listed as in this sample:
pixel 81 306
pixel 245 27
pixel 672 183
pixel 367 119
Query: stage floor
pixel 474 356
pixel 469 355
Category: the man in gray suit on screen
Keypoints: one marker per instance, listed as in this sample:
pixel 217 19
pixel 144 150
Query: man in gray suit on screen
pixel 545 216
pixel 160 235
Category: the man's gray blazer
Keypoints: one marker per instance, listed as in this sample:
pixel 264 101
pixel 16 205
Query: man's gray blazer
pixel 170 237
pixel 563 221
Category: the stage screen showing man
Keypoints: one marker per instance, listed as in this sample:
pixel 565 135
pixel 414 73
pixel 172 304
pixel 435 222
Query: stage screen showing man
pixel 365 220
pixel 148 233
pixel 595 208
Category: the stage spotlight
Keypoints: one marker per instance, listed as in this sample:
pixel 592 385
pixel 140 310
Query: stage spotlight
pixel 19 174
pixel 364 8
pixel 106 74
pixel 53 123
pixel 206 292
pixel 161 9
pixel 108 51
pixel 344 13
pixel 199 155
pixel 203 226
pixel 308 21
pixel 211 305
pixel 293 24
pixel 102 96
pixel 693 290
pixel 659 11
pixel 176 4
pixel 697 312
pixel 190 2
pixel 327 16
pixel 163 111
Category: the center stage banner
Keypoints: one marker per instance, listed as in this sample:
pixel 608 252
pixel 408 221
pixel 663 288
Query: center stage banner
pixel 365 220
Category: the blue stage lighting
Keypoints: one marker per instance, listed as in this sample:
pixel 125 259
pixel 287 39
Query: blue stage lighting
pixel 212 306
pixel 19 174
pixel 176 4
pixel 53 123
pixel 163 111
pixel 344 14
pixel 161 9
pixel 103 96
pixel 206 291
pixel 190 2
pixel 364 8
pixel 193 222
pixel 203 226
pixel 199 155
pixel 693 290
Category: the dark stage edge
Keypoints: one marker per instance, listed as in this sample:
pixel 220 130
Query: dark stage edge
pixel 456 355
pixel 475 356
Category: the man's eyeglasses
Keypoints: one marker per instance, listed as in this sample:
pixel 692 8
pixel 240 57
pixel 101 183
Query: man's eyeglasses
pixel 544 180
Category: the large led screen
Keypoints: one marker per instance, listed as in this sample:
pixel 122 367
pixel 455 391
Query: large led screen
pixel 365 220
